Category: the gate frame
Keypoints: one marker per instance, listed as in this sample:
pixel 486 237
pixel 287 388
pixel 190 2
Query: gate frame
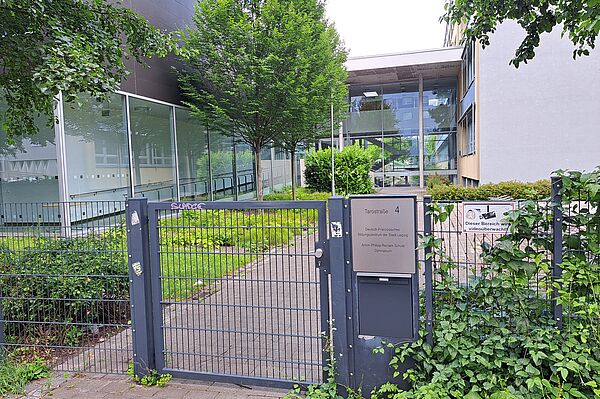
pixel 146 293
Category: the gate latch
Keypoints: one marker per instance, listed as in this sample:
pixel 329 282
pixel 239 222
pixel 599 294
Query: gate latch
pixel 318 253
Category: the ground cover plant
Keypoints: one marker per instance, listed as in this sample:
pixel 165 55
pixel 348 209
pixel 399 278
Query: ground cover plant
pixel 495 336
pixel 53 288
pixel 15 375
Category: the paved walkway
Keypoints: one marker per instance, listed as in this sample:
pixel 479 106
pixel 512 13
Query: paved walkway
pixel 102 386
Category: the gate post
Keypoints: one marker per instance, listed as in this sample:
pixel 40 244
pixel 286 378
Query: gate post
pixel 140 286
pixel 557 246
pixel 427 231
pixel 341 296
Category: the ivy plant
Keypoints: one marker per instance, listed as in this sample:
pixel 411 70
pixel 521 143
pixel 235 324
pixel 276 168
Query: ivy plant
pixel 494 334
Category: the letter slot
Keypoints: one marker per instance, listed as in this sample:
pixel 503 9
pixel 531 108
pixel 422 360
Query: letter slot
pixel 385 307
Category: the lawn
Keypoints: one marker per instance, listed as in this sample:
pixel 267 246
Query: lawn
pixel 199 247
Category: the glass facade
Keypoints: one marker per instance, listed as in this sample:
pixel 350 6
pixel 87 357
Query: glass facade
pixel 97 162
pixel 28 168
pixel 128 146
pixel 152 146
pixel 413 139
pixel 192 151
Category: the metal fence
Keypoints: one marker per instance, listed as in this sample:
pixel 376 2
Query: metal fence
pixel 64 292
pixel 236 292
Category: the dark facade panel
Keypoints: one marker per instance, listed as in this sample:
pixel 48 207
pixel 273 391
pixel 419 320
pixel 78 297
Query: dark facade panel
pixel 158 80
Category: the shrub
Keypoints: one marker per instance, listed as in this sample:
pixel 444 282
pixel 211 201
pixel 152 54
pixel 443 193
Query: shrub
pixel 67 280
pixel 317 172
pixel 517 190
pixel 352 167
pixel 437 180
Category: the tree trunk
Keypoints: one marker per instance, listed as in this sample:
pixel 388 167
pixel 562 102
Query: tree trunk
pixel 258 171
pixel 293 161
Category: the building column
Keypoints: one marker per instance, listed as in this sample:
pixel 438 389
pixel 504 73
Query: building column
pixel 61 161
pixel 175 153
pixel 421 136
pixel 132 177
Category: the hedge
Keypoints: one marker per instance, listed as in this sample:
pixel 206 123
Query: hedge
pixel 352 167
pixel 516 190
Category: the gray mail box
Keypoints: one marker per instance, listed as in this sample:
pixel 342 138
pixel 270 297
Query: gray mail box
pixel 385 307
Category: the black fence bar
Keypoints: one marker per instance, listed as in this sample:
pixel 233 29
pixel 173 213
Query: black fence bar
pixel 140 286
pixel 428 263
pixel 557 246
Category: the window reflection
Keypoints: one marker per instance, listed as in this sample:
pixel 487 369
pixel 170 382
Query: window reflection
pixel 192 151
pixel 152 147
pixel 28 168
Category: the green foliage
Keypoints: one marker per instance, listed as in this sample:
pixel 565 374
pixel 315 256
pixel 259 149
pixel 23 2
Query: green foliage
pixel 222 162
pixel 302 194
pixel 14 376
pixel 579 20
pixel 437 180
pixel 67 268
pixel 352 167
pixel 213 243
pixel 494 335
pixel 153 378
pixel 270 68
pixel 68 46
pixel 513 189
pixel 328 389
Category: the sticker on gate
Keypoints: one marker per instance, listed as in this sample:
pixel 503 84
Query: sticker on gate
pixel 486 217
pixel 336 229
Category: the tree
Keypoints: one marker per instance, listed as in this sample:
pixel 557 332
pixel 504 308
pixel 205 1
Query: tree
pixel 580 20
pixel 319 86
pixel 66 46
pixel 250 63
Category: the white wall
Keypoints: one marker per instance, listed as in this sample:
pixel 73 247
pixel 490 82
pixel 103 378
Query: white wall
pixel 541 117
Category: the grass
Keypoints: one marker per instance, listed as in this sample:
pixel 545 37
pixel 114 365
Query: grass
pixel 198 248
pixel 15 376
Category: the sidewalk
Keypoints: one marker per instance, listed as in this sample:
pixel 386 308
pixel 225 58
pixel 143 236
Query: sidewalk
pixel 102 386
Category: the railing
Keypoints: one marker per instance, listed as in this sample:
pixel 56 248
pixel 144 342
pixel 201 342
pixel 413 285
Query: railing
pixel 64 291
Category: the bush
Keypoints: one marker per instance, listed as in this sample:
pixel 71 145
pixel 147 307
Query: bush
pixel 517 190
pixel 67 280
pixel 352 167
pixel 437 180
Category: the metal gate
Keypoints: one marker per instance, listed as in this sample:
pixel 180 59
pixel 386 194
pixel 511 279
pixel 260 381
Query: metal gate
pixel 238 290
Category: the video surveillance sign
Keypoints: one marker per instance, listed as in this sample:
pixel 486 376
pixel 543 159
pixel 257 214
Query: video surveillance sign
pixel 486 217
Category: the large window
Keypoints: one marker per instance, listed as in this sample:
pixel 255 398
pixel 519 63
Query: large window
pixel 387 116
pixel 221 161
pixel 468 66
pixel 192 151
pixel 152 148
pixel 468 129
pixel 28 168
pixel 96 144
